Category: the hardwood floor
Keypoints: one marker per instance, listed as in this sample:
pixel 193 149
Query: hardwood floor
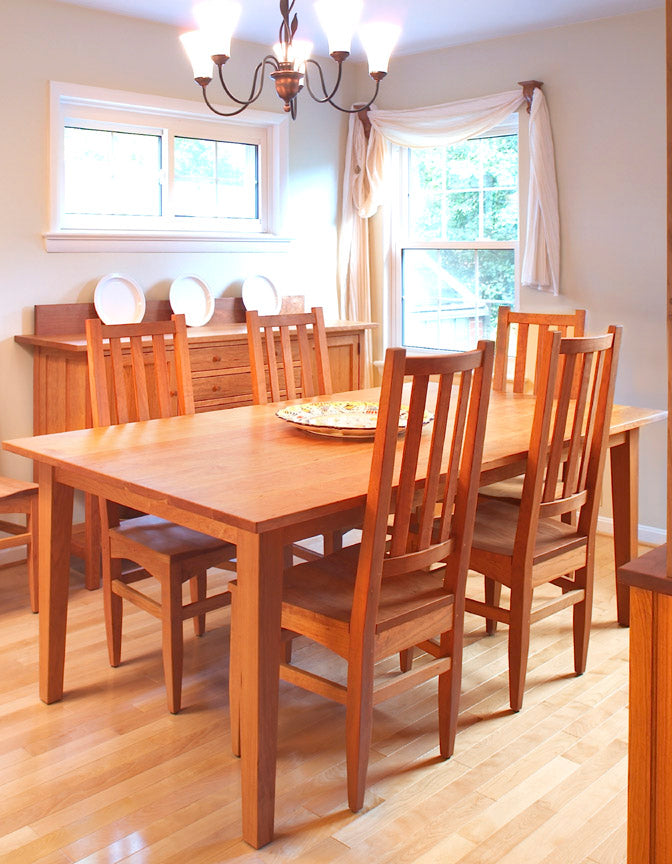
pixel 108 775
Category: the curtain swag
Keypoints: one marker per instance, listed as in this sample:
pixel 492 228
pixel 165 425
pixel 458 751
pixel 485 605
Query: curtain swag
pixel 364 183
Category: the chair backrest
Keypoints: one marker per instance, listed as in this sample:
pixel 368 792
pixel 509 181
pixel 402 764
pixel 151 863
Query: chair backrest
pixel 448 458
pixel 569 435
pixel 261 337
pixel 539 322
pixel 139 382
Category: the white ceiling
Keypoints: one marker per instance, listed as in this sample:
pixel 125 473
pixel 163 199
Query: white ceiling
pixel 426 24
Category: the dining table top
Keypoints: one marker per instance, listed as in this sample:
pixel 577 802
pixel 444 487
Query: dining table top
pixel 255 471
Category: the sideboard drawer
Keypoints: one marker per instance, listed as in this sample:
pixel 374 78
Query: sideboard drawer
pixel 213 358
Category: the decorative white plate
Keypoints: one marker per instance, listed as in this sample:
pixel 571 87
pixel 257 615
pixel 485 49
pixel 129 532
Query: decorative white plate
pixel 340 419
pixel 261 294
pixel 192 297
pixel 119 300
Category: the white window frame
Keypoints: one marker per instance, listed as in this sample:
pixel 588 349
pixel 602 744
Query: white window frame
pixel 132 111
pixel 399 238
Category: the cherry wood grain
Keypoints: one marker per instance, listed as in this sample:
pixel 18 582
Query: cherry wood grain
pixel 234 474
pixel 549 536
pixel 385 594
pixel 541 323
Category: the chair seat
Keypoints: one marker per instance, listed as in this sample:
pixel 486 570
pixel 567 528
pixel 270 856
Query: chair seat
pixel 324 589
pixel 495 532
pixel 166 539
pixel 10 488
pixel 510 490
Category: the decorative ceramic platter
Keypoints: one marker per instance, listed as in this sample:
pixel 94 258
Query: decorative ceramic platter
pixel 119 300
pixel 191 296
pixel 261 294
pixel 340 419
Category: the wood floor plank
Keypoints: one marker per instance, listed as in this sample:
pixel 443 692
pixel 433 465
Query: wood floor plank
pixel 109 777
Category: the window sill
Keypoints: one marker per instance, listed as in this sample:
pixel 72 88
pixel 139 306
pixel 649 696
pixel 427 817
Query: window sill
pixel 161 241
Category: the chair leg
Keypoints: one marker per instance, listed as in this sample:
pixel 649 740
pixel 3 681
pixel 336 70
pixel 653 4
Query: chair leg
pixel 234 680
pixel 493 594
pixel 582 617
pixel 519 644
pixel 172 642
pixel 406 660
pixel 449 692
pixel 198 588
pixel 114 611
pixel 358 723
pixel 332 542
pixel 33 554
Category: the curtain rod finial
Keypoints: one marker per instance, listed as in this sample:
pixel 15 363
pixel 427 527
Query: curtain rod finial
pixel 528 90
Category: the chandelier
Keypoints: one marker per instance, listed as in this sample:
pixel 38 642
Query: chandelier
pixel 290 64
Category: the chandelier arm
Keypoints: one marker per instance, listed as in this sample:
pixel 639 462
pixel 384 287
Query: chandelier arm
pixel 252 98
pixel 222 113
pixel 327 96
pixel 360 107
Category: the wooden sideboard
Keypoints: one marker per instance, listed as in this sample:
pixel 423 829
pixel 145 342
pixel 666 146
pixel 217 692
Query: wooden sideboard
pixel 220 371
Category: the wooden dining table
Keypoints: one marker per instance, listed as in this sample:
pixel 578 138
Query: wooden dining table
pixel 250 478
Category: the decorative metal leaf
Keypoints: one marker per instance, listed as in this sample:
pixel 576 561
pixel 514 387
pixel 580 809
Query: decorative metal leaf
pixel 284 8
pixel 295 24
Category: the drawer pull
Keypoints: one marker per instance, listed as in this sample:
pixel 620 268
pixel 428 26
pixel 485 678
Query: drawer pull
pixel 216 359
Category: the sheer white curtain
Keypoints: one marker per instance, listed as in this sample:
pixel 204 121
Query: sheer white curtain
pixel 364 184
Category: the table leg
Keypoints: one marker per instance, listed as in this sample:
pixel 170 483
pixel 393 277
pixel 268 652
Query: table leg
pixel 624 494
pixel 55 528
pixel 259 575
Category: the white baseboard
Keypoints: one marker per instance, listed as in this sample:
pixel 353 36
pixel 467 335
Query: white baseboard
pixel 645 533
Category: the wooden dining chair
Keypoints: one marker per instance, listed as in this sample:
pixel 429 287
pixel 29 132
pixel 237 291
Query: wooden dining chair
pixel 532 327
pixel 400 587
pixel 144 380
pixel 20 497
pixel 529 324
pixel 523 546
pixel 276 366
pixel 284 366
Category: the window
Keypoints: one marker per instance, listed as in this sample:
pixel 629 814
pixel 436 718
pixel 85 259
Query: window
pixel 146 172
pixel 458 227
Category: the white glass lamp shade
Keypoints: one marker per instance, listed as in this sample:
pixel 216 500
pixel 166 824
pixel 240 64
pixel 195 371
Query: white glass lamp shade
pixel 198 53
pixel 378 41
pixel 217 19
pixel 339 19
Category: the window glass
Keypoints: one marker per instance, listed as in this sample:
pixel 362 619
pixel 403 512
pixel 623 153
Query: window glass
pixel 111 172
pixel 450 296
pixel 458 263
pixel 215 178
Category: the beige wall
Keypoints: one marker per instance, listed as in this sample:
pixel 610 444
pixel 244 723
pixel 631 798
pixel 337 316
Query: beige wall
pixel 605 86
pixel 604 82
pixel 43 41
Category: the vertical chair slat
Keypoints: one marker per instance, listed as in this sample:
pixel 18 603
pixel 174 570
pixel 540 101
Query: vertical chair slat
pixel 406 491
pixel 139 379
pixel 160 360
pixel 307 388
pixel 452 479
pixel 272 361
pixel 288 363
pixel 521 358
